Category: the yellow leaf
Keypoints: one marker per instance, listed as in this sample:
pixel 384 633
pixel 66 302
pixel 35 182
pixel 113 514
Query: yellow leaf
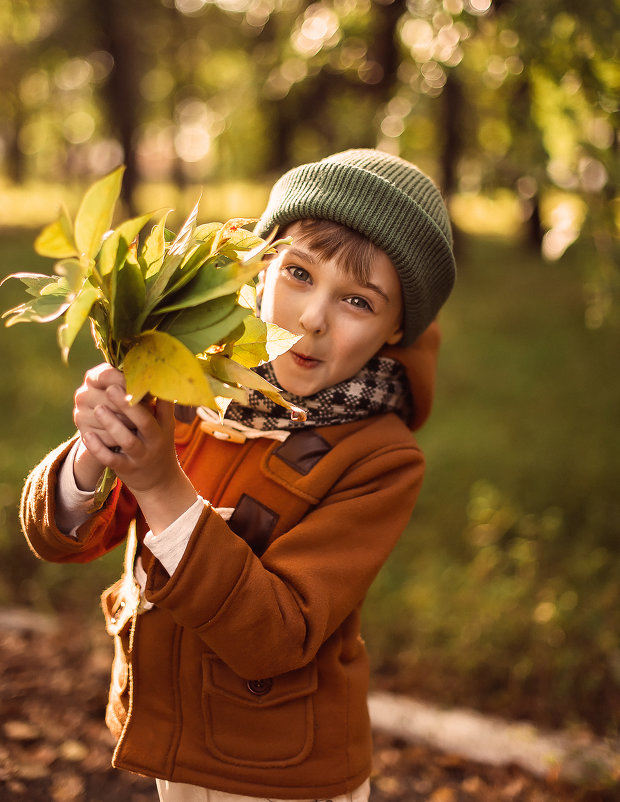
pixel 227 370
pixel 128 230
pixel 94 216
pixel 261 342
pixel 254 252
pixel 154 248
pixel 279 340
pixel 247 297
pixel 249 350
pixel 75 317
pixel 56 240
pixel 161 365
pixel 230 229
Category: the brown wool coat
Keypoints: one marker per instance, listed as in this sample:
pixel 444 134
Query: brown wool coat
pixel 249 674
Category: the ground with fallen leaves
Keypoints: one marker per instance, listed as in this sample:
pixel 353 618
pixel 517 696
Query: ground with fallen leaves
pixel 54 746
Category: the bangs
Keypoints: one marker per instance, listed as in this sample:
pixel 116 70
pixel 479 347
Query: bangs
pixel 355 253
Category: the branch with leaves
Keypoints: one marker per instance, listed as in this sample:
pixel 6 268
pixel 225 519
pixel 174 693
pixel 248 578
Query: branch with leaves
pixel 177 314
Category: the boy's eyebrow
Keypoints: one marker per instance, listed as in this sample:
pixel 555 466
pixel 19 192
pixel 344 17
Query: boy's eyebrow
pixel 299 253
pixel 369 285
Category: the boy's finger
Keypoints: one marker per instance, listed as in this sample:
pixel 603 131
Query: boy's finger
pixel 104 375
pixel 104 455
pixel 121 436
pixel 138 416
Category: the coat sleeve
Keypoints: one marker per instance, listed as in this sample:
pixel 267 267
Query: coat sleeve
pixel 270 615
pixel 100 533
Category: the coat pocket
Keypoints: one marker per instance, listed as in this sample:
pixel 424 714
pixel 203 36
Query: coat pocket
pixel 259 723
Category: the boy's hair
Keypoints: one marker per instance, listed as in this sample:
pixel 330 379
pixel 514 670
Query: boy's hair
pixel 356 254
pixel 390 202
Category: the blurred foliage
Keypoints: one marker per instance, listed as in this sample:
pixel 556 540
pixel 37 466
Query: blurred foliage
pixel 486 95
pixel 504 593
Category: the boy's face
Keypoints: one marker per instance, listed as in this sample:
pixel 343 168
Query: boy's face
pixel 343 323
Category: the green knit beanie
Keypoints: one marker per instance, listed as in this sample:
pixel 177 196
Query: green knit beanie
pixel 389 201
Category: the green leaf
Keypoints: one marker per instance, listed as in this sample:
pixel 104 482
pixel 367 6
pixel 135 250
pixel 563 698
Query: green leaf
pixel 227 370
pixel 128 231
pixel 106 482
pixel 155 246
pixel 186 235
pixel 100 330
pixel 262 247
pixel 211 283
pixel 56 239
pixel 35 282
pixel 72 271
pixel 159 364
pixel 192 263
pixel 75 317
pixel 206 232
pixel 94 216
pixel 43 309
pixel 58 287
pixel 129 298
pixel 109 282
pixel 184 321
pixel 200 340
pixel 230 230
pixel 241 242
pixel 227 391
pixel 176 253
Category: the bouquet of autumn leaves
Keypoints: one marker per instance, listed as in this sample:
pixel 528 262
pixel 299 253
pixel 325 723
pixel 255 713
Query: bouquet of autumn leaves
pixel 177 314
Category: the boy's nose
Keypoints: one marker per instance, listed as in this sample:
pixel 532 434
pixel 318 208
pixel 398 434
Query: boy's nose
pixel 313 319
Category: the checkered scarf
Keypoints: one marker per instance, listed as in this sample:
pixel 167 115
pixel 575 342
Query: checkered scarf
pixel 380 386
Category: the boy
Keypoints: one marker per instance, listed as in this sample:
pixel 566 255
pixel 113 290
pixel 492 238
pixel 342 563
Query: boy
pixel 239 666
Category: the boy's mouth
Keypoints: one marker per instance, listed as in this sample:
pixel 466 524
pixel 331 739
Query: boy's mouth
pixel 303 360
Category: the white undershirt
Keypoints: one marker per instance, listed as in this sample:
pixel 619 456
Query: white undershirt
pixel 74 506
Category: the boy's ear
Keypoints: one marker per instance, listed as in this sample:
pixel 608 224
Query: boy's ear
pixel 396 337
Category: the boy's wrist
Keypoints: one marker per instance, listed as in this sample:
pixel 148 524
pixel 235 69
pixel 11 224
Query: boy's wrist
pixel 162 505
pixel 86 469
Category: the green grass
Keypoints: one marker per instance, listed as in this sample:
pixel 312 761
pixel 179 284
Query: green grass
pixel 504 591
pixel 36 401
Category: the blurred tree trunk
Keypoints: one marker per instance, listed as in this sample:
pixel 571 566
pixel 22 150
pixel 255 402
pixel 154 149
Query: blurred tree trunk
pixel 121 94
pixel 529 145
pixel 15 160
pixel 452 124
pixel 383 47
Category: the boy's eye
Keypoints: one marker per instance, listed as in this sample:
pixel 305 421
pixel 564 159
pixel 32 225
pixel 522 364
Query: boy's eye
pixel 359 303
pixel 298 273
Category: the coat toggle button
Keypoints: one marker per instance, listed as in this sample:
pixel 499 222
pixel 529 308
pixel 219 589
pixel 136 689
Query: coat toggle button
pixel 259 687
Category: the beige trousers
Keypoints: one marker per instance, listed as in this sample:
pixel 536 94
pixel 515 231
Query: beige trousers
pixel 179 792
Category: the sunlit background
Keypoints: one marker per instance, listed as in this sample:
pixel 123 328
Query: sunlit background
pixel 504 593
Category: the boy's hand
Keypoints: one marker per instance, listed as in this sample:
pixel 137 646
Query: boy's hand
pixel 91 394
pixel 137 443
